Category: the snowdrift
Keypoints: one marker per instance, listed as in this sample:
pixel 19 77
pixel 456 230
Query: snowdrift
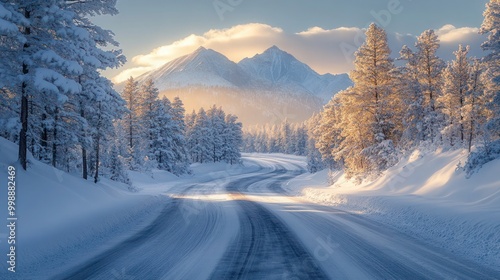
pixel 60 214
pixel 425 195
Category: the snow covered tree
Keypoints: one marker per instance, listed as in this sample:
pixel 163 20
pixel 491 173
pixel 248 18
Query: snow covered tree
pixel 149 113
pixel 55 56
pixel 117 167
pixel 131 123
pixel 47 58
pixel 371 104
pixel 315 161
pixel 189 133
pixel 213 136
pixel 109 108
pixel 490 150
pixel 491 26
pixel 232 139
pixel 475 111
pixel 216 118
pixel 456 84
pixel 430 68
pixel 327 131
pixel 412 97
pixel 200 136
pixel 176 130
pixel 300 142
pixel 93 57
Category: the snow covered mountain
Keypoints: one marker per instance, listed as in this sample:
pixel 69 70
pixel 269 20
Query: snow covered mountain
pixel 284 71
pixel 267 87
pixel 203 67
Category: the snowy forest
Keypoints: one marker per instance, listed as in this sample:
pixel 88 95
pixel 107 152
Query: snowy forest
pixel 417 101
pixel 56 104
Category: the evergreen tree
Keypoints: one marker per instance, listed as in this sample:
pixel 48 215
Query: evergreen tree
pixel 490 150
pixel 149 113
pixel 491 26
pixel 407 84
pixel 475 110
pixel 177 131
pixel 232 139
pixel 216 118
pixel 200 136
pixel 131 123
pixel 371 105
pixel 430 68
pixel 456 84
pixel 118 171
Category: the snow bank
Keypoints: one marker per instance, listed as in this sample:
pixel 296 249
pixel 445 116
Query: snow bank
pixel 63 218
pixel 425 196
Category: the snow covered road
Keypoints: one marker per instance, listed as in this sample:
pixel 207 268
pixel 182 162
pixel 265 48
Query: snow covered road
pixel 245 226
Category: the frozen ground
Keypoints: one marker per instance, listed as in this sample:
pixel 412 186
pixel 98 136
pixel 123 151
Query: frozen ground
pixel 225 222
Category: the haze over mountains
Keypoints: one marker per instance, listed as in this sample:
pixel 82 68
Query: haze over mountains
pixel 266 88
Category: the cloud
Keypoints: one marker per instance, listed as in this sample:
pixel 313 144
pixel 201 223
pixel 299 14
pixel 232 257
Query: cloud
pixel 450 33
pixel 325 50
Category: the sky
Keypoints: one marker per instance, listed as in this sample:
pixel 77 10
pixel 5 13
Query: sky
pixel 321 33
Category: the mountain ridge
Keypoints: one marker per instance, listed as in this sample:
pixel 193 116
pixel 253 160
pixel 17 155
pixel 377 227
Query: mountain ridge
pixel 274 69
pixel 265 88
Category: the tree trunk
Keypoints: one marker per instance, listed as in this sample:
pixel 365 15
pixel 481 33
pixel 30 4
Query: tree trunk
pixel 471 131
pixel 54 140
pixel 44 139
pixel 98 138
pixel 24 104
pixel 84 163
pixel 33 142
pixel 96 175
pixel 84 151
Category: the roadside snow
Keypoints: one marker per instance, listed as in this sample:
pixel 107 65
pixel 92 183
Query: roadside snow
pixel 425 196
pixel 64 220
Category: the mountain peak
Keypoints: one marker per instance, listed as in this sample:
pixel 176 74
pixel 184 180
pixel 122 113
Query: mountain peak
pixel 274 49
pixel 200 49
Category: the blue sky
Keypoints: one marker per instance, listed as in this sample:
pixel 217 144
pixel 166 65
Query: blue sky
pixel 145 25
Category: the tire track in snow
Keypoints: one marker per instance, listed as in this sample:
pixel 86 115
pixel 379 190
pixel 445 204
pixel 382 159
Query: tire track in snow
pixel 265 248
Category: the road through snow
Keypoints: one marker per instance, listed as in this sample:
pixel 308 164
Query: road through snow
pixel 247 227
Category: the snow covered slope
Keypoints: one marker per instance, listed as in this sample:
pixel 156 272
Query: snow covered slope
pixel 424 195
pixel 59 214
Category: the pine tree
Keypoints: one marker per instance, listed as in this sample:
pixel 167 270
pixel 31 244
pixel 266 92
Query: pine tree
pixel 149 113
pixel 430 68
pixel 47 59
pixel 177 130
pixel 201 138
pixel 371 104
pixel 131 123
pixel 407 84
pixel 456 84
pixel 118 171
pixel 315 161
pixel 233 139
pixel 216 117
pixel 475 110
pixel 490 150
pixel 491 26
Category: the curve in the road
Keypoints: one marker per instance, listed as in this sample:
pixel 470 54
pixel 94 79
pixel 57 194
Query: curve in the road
pixel 265 248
